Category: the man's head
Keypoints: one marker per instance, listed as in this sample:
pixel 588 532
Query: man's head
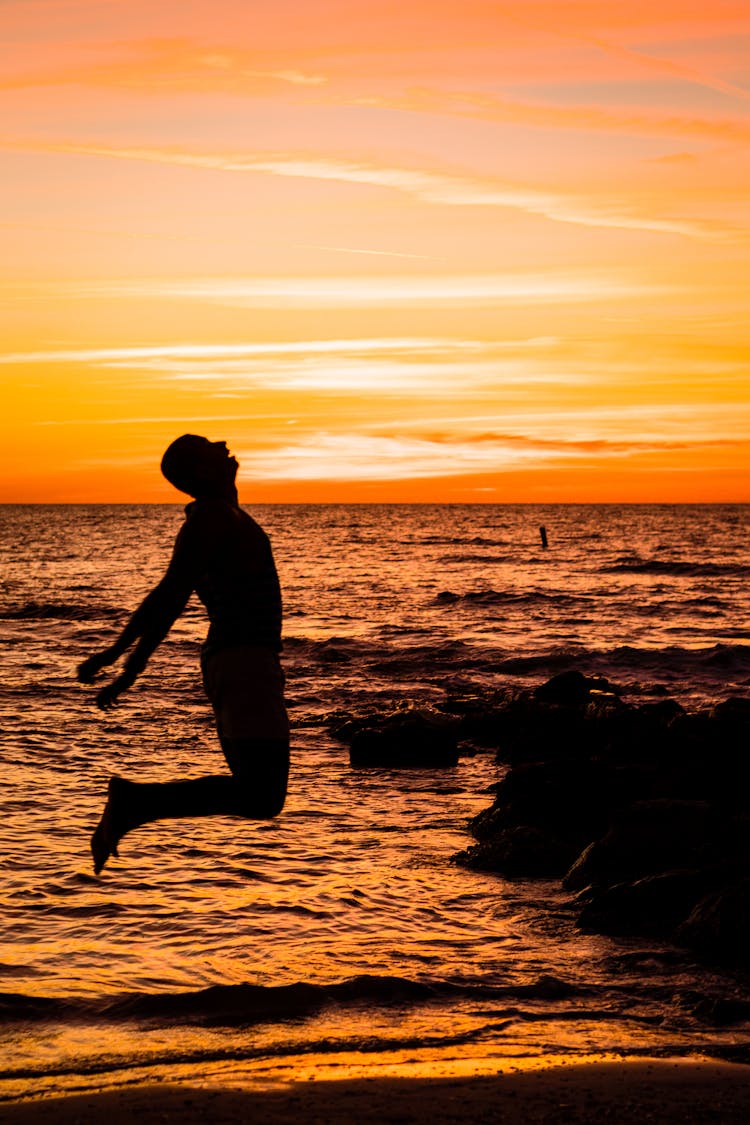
pixel 198 466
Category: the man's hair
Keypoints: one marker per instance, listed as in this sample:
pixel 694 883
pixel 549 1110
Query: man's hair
pixel 178 463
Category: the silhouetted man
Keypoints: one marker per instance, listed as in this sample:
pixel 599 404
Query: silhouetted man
pixel 223 555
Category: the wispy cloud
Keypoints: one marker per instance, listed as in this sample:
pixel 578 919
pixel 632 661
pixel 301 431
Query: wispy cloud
pixel 654 425
pixel 424 366
pixel 368 253
pixel 631 120
pixel 187 420
pixel 166 65
pixel 378 367
pixel 377 378
pixel 204 65
pixel 668 67
pixel 188 351
pixel 428 186
pixel 543 20
pixel 296 77
pixel 338 457
pixel 563 287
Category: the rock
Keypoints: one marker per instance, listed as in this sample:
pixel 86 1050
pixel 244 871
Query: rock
pixel 532 731
pixel 569 716
pixel 652 906
pixel 689 738
pixel 628 734
pixel 722 1009
pixel 491 821
pixel 598 724
pixel 486 729
pixel 662 712
pixel 575 798
pixel 650 837
pixel 572 688
pixel 610 725
pixel 719 925
pixel 736 709
pixel 649 804
pixel 523 727
pixel 520 852
pixel 410 739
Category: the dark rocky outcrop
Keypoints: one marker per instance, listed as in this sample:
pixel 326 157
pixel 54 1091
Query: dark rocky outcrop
pixel 521 851
pixel 643 810
pixel 572 688
pixel 561 805
pixel 649 907
pixel 413 738
pixel 719 924
pixel 571 716
pixel 648 837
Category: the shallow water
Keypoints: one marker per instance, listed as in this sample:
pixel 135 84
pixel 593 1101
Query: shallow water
pixel 384 605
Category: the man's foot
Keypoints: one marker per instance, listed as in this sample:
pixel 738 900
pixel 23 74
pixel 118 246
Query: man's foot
pixel 113 825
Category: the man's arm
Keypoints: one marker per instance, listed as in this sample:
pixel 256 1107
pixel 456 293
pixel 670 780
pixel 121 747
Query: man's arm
pixel 152 620
pixel 150 623
pixel 150 607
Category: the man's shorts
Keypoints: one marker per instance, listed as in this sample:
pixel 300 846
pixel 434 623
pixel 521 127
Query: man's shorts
pixel 245 684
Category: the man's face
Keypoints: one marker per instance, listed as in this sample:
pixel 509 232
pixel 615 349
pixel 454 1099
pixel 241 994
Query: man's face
pixel 214 462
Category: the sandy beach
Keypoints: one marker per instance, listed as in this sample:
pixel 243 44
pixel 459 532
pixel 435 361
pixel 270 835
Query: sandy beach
pixel 643 1091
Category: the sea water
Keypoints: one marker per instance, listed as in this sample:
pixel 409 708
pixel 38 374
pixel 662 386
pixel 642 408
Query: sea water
pixel 341 929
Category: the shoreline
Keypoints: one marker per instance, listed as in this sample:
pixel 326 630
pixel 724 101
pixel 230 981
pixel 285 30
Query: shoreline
pixel 477 1090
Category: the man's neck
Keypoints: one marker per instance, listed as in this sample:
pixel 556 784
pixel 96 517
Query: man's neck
pixel 227 493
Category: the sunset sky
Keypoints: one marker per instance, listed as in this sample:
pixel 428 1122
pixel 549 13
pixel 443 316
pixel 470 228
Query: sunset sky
pixel 390 251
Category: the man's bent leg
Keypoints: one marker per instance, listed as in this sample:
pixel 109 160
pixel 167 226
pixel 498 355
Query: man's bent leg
pixel 260 771
pixel 256 790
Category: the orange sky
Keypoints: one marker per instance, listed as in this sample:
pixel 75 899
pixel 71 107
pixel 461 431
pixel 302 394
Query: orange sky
pixel 389 251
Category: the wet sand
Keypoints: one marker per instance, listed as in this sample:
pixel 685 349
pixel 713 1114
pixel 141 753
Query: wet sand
pixel 642 1091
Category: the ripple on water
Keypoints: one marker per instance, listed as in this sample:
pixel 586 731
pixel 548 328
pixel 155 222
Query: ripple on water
pixel 354 879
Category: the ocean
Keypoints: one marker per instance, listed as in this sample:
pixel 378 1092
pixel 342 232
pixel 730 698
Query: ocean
pixel 341 931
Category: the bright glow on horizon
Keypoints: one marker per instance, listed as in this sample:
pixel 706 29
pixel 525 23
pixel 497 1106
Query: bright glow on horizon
pixel 388 254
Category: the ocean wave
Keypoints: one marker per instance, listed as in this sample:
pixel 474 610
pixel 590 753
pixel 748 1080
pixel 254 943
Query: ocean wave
pixel 17 1007
pixel 676 568
pixel 482 541
pixel 37 611
pixel 419 659
pixel 510 598
pixel 672 658
pixel 166 1058
pixel 248 1004
pixel 713 665
pixel 475 558
pixel 529 1012
pixel 459 540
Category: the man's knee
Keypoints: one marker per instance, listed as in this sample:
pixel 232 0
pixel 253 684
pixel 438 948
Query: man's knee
pixel 271 805
pixel 260 768
pixel 260 798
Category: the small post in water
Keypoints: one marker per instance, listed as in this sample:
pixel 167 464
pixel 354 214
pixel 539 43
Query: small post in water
pixel 543 533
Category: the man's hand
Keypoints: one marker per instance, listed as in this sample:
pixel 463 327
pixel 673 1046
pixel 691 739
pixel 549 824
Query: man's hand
pixel 89 668
pixel 108 696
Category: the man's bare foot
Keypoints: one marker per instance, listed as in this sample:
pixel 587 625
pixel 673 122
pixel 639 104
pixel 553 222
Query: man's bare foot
pixel 112 826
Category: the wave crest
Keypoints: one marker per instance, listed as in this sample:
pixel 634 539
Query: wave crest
pixel 38 611
pixel 676 568
pixel 247 1004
